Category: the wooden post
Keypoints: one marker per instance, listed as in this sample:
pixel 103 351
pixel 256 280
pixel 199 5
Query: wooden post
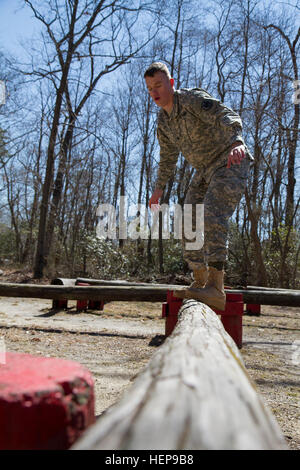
pixel 253 309
pixel 81 305
pixel 195 393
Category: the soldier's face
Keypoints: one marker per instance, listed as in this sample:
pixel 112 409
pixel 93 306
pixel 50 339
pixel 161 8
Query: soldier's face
pixel 161 90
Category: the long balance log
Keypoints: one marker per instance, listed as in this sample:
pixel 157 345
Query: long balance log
pixel 122 282
pixel 143 293
pixel 288 299
pixel 195 393
pixel 108 293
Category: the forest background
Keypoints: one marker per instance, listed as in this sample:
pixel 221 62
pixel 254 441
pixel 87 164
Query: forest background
pixel 77 129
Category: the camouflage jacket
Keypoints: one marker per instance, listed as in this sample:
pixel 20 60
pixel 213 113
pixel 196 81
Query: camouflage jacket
pixel 200 127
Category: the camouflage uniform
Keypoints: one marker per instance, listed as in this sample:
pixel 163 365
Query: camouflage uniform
pixel 204 129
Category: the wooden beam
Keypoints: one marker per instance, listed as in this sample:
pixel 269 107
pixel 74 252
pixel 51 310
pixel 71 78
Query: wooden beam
pixel 118 282
pixel 270 297
pixel 144 293
pixel 195 393
pixel 106 293
pixel 278 289
pixel 122 282
pixel 261 295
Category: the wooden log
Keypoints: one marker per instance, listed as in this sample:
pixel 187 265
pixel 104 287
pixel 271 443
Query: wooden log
pixel 106 293
pixel 195 393
pixel 278 289
pixel 262 297
pixel 252 295
pixel 148 293
pixel 122 282
pixel 118 282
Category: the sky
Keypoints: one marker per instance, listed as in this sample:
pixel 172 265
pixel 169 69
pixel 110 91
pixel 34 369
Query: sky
pixel 16 25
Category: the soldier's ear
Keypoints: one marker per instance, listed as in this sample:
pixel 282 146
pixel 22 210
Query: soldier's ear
pixel 172 81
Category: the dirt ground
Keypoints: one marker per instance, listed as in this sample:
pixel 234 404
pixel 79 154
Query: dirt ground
pixel 115 345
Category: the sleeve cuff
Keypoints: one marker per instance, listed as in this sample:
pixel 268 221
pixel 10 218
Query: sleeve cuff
pixel 237 138
pixel 160 185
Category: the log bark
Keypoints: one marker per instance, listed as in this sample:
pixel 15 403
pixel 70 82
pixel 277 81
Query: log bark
pixel 279 289
pixel 106 293
pixel 117 282
pixel 194 394
pixel 138 293
pixel 292 301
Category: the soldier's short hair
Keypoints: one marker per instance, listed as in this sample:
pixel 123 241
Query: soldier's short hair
pixel 157 67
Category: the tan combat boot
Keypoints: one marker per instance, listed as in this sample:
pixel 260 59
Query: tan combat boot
pixel 200 277
pixel 212 294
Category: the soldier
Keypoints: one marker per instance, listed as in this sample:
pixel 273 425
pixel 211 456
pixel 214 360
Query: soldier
pixel 209 135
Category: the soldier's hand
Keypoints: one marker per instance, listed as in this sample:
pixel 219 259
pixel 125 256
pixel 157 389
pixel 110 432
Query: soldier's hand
pixel 153 203
pixel 236 155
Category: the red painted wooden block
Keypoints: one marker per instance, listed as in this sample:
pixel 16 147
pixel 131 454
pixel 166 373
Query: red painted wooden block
pixel 95 305
pixel 231 317
pixel 253 309
pixel 233 324
pixel 59 304
pixel 170 311
pixel 82 305
pixel 165 309
pixel 45 403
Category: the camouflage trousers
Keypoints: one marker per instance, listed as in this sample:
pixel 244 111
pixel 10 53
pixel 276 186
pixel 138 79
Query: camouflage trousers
pixel 220 193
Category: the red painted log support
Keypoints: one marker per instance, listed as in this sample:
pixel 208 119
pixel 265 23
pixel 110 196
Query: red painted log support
pixel 45 403
pixel 253 309
pixel 62 303
pixel 83 305
pixel 95 305
pixel 231 317
pixel 59 304
pixel 170 310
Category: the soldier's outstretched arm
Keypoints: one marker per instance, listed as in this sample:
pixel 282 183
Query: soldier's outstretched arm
pixel 168 158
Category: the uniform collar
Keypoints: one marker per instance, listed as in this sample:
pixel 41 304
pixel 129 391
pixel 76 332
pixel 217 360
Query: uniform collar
pixel 175 109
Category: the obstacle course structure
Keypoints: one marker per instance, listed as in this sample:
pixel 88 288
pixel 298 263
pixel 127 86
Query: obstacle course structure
pixel 91 293
pixel 195 392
